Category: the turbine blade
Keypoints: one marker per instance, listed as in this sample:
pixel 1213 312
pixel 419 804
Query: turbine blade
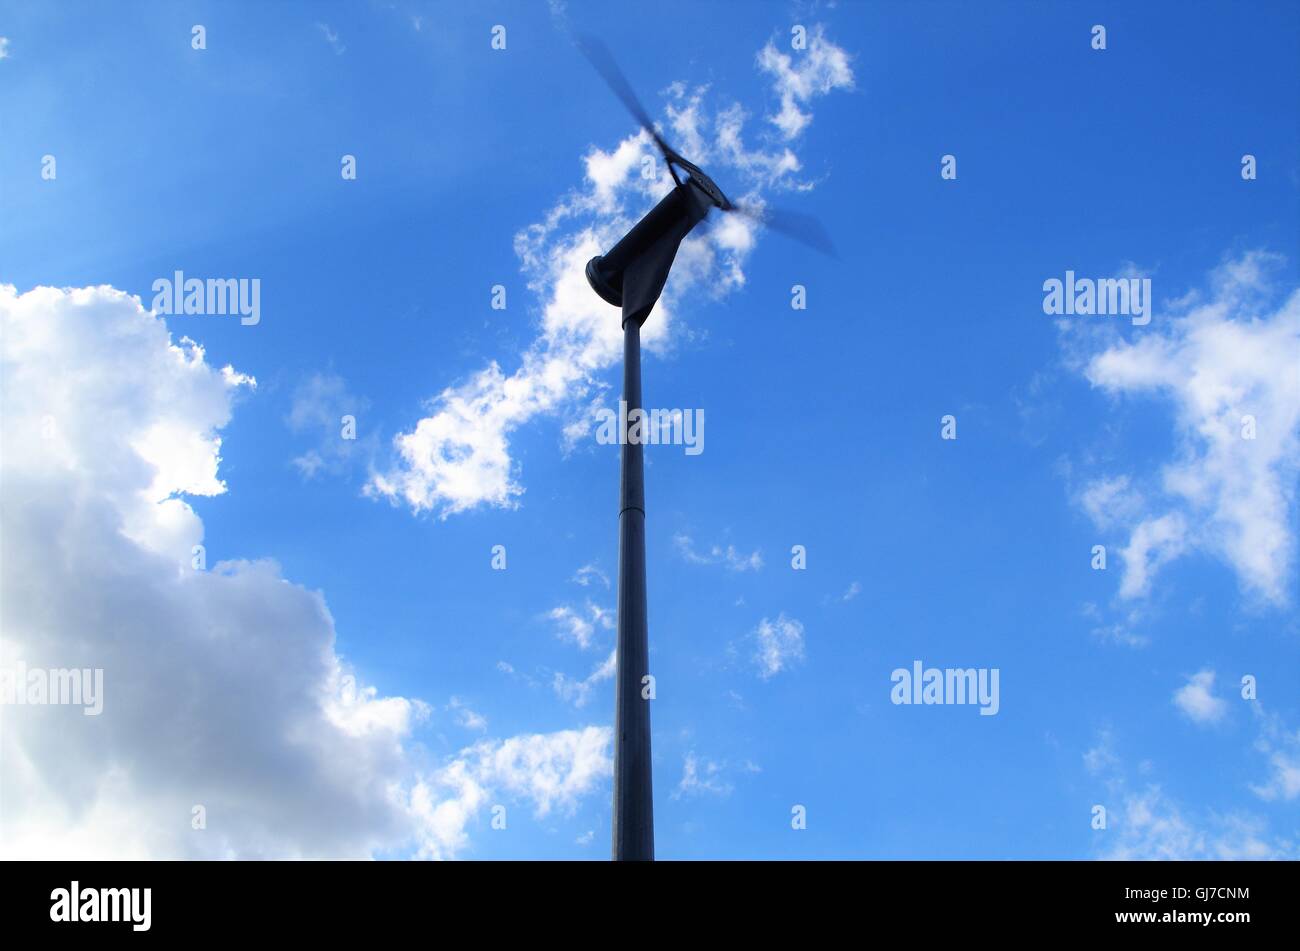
pixel 600 58
pixel 800 227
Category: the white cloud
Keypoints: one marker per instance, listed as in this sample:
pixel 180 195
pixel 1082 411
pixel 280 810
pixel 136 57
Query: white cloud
pixel 1197 700
pixel 581 626
pixel 4 47
pixel 222 687
pixel 1110 501
pixel 458 456
pixel 769 168
pixel 800 75
pixel 1217 357
pixel 587 573
pixel 465 717
pixel 553 770
pixel 332 38
pixel 1148 824
pixel 1282 748
pixel 1101 758
pixel 854 589
pixel 780 644
pixel 1123 630
pixel 318 407
pixel 1154 542
pixel 701 776
pixel 717 555
pixel 578 692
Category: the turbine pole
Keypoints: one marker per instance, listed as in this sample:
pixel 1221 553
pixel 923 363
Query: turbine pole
pixel 632 276
pixel 634 836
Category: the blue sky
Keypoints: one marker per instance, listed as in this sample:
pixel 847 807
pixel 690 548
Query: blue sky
pixel 1118 687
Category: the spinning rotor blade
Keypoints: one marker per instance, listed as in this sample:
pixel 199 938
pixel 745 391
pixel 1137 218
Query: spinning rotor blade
pixel 800 227
pixel 599 57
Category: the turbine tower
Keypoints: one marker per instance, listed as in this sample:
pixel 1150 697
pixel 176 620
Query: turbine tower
pixel 631 276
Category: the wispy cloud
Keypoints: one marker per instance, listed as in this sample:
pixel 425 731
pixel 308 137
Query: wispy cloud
pixel 1101 758
pixel 1146 823
pixel 779 644
pixel 581 625
pixel 466 717
pixel 1149 825
pixel 589 573
pixel 332 38
pixel 800 75
pixel 717 555
pixel 1281 746
pixel 322 407
pixel 578 692
pixel 701 776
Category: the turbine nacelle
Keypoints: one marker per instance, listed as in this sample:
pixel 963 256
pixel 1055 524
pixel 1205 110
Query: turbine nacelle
pixel 632 274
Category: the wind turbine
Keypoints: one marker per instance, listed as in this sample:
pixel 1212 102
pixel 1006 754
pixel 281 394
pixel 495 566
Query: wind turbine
pixel 631 275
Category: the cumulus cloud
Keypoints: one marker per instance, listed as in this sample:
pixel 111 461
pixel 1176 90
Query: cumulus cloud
pixel 779 645
pixel 457 457
pixel 223 690
pixel 1225 361
pixel 1197 701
